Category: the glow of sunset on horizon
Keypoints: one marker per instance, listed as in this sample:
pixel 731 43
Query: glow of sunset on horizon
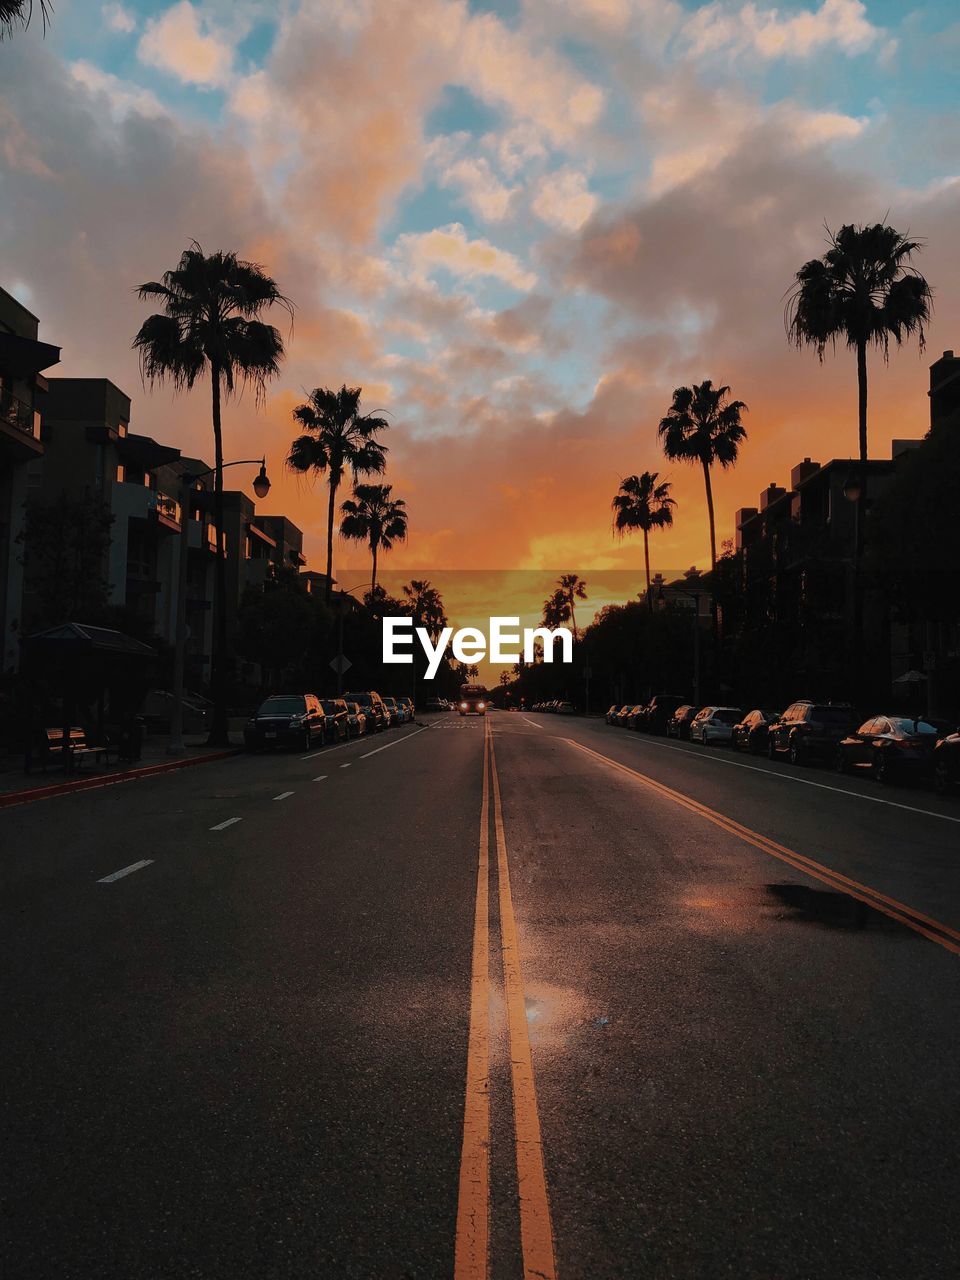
pixel 518 226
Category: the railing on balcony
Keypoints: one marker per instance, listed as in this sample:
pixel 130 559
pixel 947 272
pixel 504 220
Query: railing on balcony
pixel 167 508
pixel 15 413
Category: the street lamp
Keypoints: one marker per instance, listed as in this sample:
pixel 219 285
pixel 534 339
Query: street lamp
pixel 851 488
pixel 261 487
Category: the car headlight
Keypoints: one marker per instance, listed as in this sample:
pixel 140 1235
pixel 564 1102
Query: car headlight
pixel 463 706
pixel 480 706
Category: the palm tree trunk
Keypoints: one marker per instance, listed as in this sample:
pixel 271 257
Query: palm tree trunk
pixel 331 508
pixel 374 547
pixel 219 735
pixel 710 516
pixel 646 563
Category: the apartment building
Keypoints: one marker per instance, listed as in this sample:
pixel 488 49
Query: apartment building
pixel 23 361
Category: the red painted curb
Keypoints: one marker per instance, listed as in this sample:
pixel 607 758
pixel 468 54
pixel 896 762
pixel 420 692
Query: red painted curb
pixel 90 784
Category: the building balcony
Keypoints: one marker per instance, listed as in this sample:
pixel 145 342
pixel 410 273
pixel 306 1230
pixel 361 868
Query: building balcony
pixel 136 501
pixel 19 427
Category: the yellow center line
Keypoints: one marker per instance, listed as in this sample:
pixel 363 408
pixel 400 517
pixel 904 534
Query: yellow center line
pixel 473 1206
pixel 934 930
pixel 536 1233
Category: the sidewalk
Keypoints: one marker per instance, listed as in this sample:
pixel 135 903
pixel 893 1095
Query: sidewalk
pixel 18 787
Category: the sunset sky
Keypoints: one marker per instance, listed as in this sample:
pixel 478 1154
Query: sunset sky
pixel 517 225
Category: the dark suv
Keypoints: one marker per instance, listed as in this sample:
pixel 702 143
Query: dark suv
pixel 370 702
pixel 808 729
pixel 336 719
pixel 286 719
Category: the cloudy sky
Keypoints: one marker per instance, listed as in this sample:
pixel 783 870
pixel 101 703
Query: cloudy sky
pixel 518 225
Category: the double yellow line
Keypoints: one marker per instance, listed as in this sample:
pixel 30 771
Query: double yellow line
pixel 934 930
pixel 472 1253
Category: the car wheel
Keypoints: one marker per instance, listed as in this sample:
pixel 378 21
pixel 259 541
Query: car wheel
pixel 881 767
pixel 840 761
pixel 797 754
pixel 941 777
pixel 771 748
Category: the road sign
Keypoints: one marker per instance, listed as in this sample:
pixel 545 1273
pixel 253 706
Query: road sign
pixel 341 664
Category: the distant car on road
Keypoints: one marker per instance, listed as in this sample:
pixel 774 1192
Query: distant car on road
pixel 678 726
pixel 372 704
pixel 751 733
pixel 714 724
pixel 809 729
pixel 335 727
pixel 286 720
pixel 889 747
pixel 946 763
pixel 473 700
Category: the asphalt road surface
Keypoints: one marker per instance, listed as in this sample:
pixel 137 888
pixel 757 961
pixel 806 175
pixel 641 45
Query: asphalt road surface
pixel 515 996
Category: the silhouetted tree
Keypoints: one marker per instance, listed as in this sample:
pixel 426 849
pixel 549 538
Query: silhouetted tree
pixel 704 426
pixel 211 324
pixel 425 605
pixel 373 517
pixel 338 438
pixel 66 545
pixel 643 502
pixel 17 13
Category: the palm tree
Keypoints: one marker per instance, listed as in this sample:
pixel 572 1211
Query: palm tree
pixel 425 605
pixel 373 517
pixel 211 324
pixel 19 12
pixel 556 609
pixel 863 291
pixel 338 437
pixel 573 588
pixel 704 426
pixel 643 502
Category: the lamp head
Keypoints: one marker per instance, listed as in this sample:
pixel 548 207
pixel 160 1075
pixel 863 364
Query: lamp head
pixel 851 488
pixel 261 486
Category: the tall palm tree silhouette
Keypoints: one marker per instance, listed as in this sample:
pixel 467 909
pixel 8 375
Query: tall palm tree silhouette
pixel 338 438
pixel 373 517
pixel 426 606
pixel 19 12
pixel 573 588
pixel 210 324
pixel 864 292
pixel 643 502
pixel 704 426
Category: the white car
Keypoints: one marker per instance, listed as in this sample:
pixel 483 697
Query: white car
pixel 714 724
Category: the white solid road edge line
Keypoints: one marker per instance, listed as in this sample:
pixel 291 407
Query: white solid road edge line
pixel 533 722
pixel 326 750
pixel 126 871
pixel 222 826
pixel 406 738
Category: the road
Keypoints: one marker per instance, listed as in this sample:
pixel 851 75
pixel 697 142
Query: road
pixel 707 1006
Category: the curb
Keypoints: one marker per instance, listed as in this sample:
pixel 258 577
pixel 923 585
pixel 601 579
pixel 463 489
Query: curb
pixel 11 798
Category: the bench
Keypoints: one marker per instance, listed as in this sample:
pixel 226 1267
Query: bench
pixel 53 748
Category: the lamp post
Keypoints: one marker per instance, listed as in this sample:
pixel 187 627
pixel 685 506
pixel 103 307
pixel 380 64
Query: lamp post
pixel 261 487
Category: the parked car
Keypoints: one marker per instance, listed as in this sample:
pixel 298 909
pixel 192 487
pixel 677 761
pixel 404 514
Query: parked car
pixel 286 720
pixel 657 713
pixel 157 712
pixel 565 709
pixel 751 733
pixel 372 705
pixel 678 726
pixel 889 747
pixel 624 714
pixel 946 763
pixel 714 724
pixel 335 714
pixel 808 729
pixel 435 704
pixel 613 711
pixel 407 703
pixel 393 711
pixel 356 720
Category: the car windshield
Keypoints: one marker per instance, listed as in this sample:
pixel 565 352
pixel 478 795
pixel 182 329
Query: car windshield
pixel 903 724
pixel 728 715
pixel 282 707
pixel 330 708
pixel 360 698
pixel 831 715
